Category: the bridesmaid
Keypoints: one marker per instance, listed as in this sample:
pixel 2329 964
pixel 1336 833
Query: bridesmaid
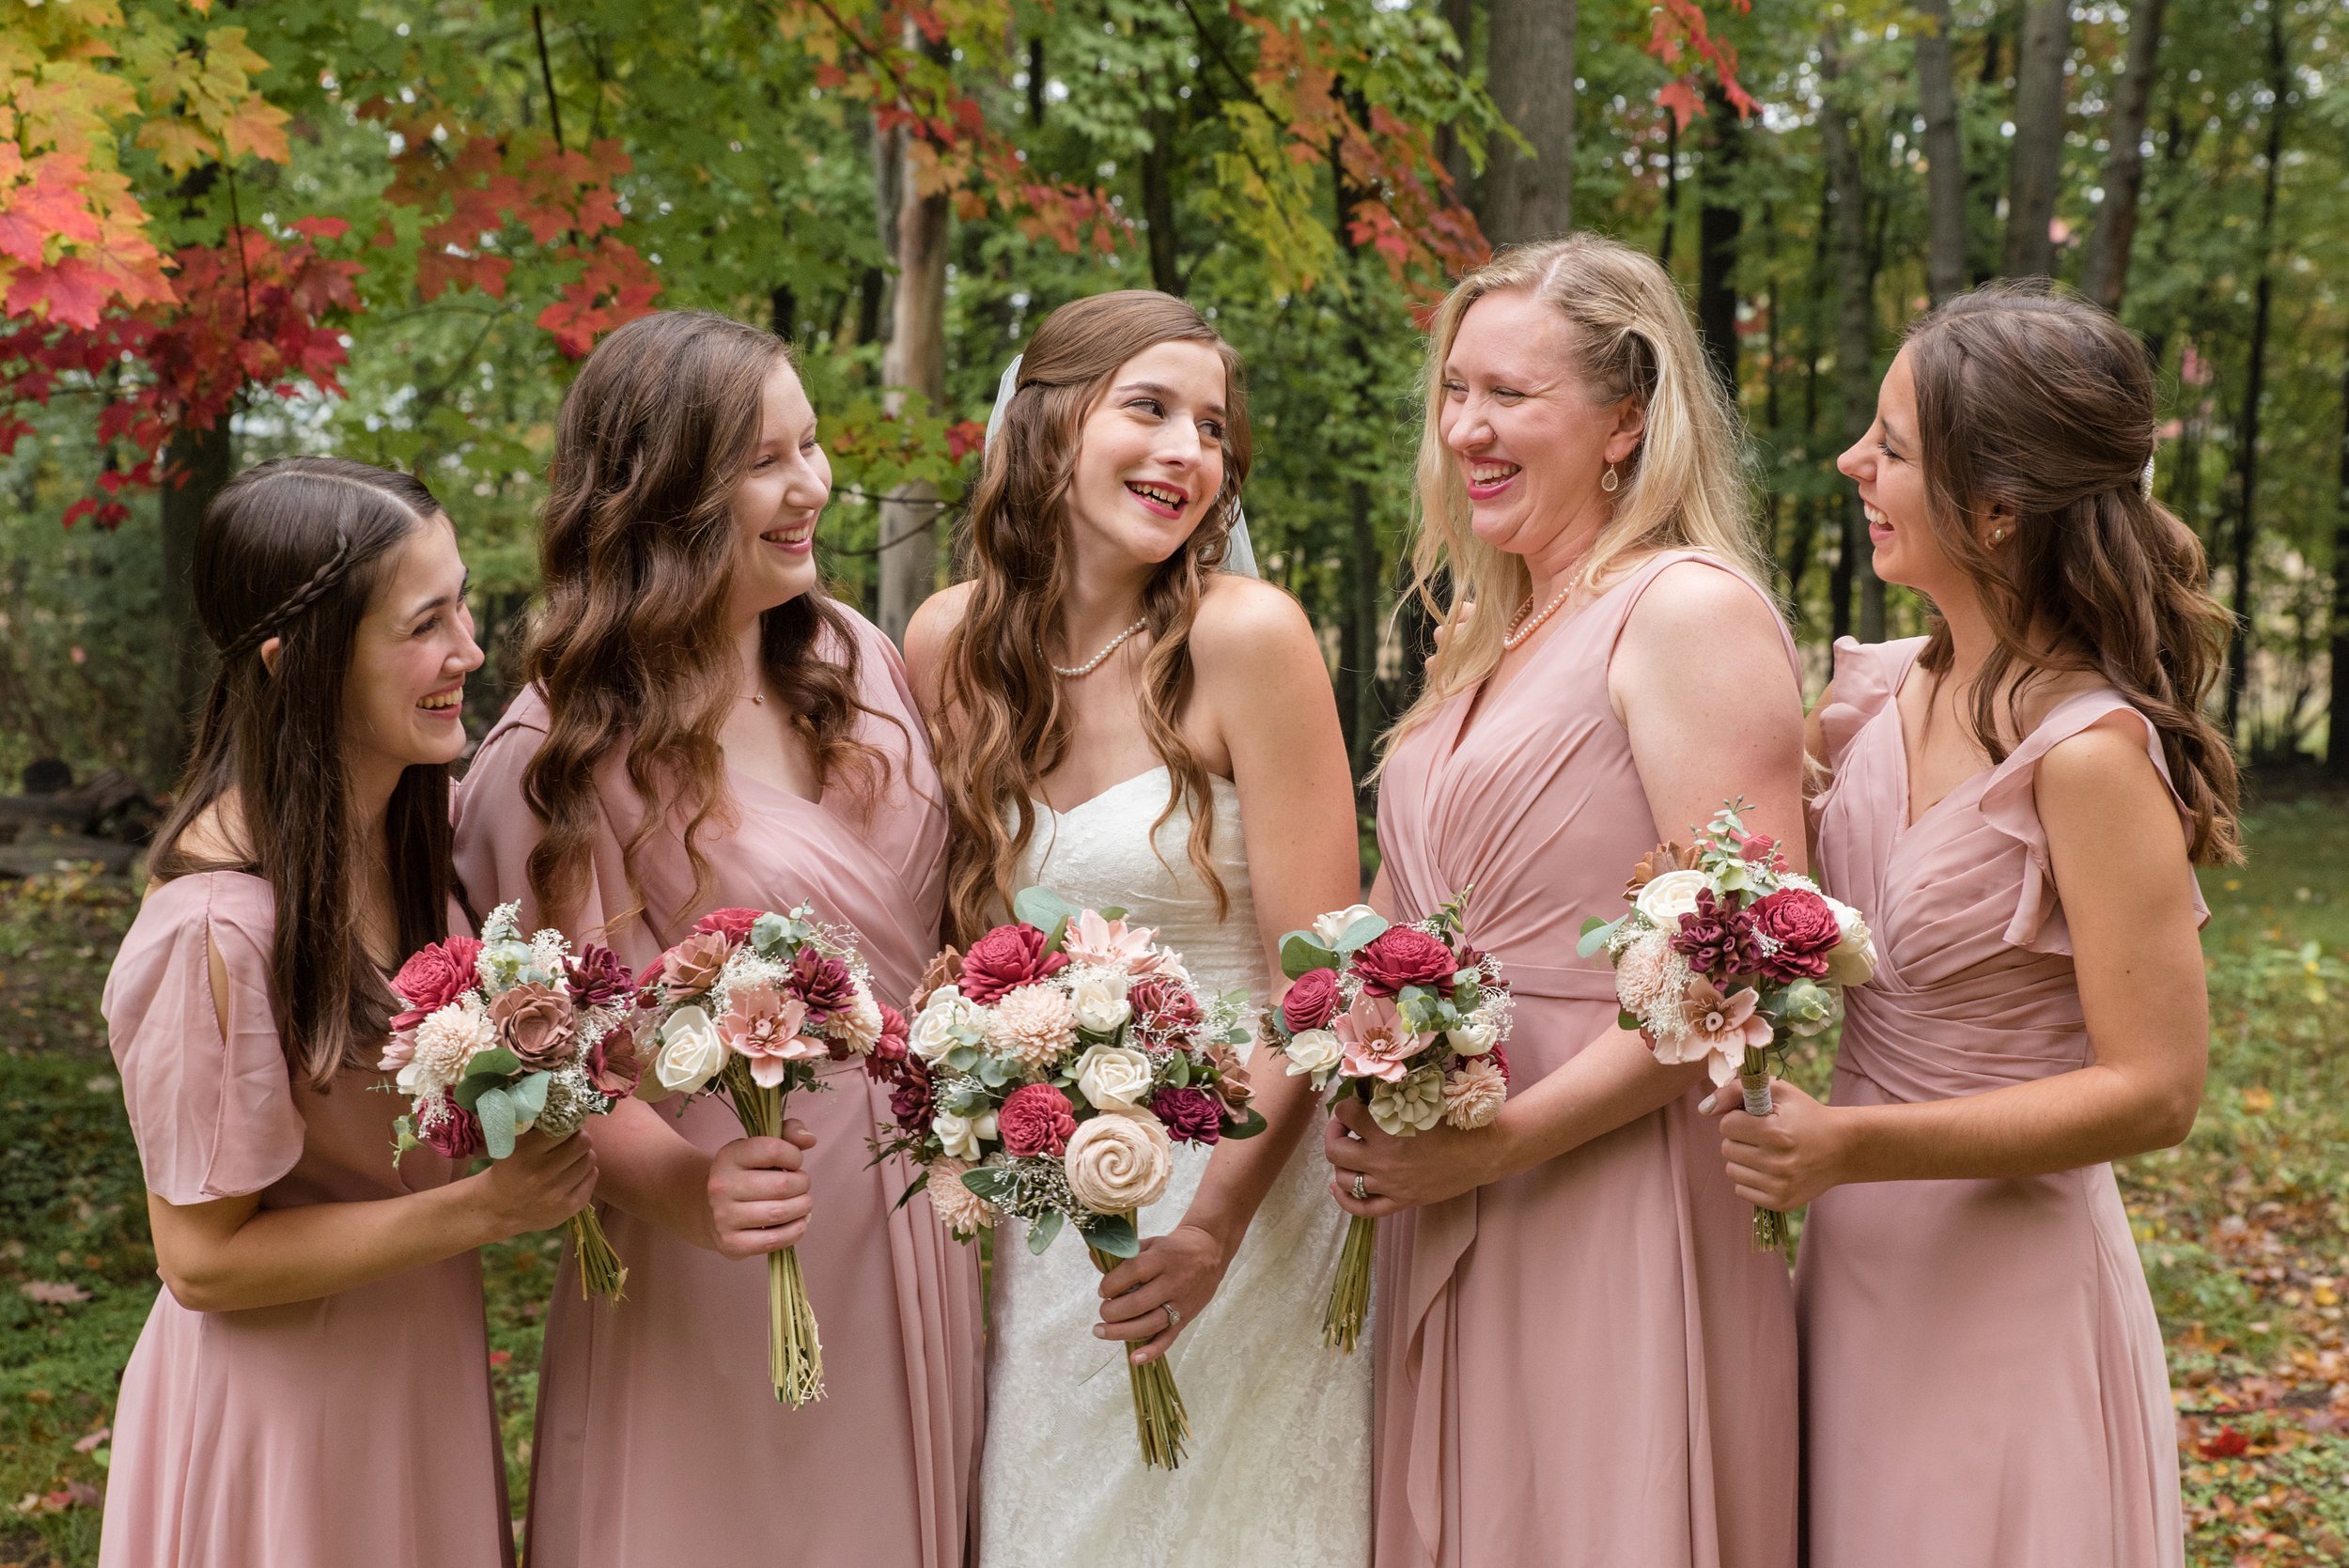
pixel 1582 1359
pixel 2018 804
pixel 313 1384
pixel 704 727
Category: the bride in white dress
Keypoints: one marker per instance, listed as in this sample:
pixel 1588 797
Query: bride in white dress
pixel 1122 722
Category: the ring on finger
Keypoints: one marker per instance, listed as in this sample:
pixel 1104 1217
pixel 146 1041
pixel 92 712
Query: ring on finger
pixel 1361 1189
pixel 1173 1318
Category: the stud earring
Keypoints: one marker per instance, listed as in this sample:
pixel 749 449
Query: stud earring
pixel 1608 481
pixel 1998 536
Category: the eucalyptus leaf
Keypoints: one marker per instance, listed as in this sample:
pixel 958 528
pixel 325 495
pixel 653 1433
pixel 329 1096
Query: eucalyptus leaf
pixel 496 1110
pixel 495 1062
pixel 1300 955
pixel 1043 1228
pixel 1596 933
pixel 988 1183
pixel 1112 1234
pixel 768 934
pixel 530 1097
pixel 1252 1122
pixel 1369 928
pixel 1042 909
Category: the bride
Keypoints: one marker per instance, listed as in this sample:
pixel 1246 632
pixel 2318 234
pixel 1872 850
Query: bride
pixel 1125 723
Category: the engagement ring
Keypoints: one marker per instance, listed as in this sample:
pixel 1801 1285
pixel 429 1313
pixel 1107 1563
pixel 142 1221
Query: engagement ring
pixel 1360 1191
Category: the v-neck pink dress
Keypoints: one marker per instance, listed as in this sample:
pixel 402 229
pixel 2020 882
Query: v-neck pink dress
pixel 1586 1365
pixel 354 1429
pixel 1984 1384
pixel 658 1437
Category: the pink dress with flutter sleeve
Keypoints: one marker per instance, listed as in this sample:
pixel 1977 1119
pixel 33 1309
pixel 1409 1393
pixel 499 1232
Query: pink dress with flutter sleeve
pixel 1585 1365
pixel 355 1430
pixel 1984 1384
pixel 659 1435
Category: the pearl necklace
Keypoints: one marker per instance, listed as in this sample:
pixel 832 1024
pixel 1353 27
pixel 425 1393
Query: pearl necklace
pixel 1520 628
pixel 1094 662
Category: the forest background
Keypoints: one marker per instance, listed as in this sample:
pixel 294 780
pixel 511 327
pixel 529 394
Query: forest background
pixel 232 230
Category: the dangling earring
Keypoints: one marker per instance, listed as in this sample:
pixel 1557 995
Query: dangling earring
pixel 1609 482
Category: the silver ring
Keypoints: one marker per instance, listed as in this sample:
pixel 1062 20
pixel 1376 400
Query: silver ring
pixel 1360 1191
pixel 1173 1318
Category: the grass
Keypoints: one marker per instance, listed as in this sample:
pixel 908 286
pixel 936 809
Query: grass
pixel 2244 1230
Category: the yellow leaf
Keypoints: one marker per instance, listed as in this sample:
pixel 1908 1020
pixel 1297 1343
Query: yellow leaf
pixel 224 49
pixel 181 143
pixel 2257 1100
pixel 2324 1296
pixel 257 129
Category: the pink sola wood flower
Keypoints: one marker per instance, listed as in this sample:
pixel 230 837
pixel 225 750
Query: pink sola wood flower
pixel 1722 1028
pixel 764 1026
pixel 1375 1042
pixel 1109 943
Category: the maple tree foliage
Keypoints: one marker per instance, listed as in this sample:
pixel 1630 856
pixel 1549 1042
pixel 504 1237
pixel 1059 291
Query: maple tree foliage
pixel 1679 32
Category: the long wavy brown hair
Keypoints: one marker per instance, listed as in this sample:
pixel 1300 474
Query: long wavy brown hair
pixel 1000 704
pixel 631 641
pixel 296 550
pixel 2043 404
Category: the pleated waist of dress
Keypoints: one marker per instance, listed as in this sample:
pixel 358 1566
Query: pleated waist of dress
pixel 1563 983
pixel 1915 1057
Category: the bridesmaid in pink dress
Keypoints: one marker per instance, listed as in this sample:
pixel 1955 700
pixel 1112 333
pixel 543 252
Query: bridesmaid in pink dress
pixel 313 1385
pixel 2016 804
pixel 1582 1362
pixel 686 649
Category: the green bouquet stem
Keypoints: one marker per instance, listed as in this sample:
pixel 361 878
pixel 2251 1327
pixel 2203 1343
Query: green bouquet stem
pixel 1754 1082
pixel 601 1271
pixel 1161 1423
pixel 1349 1293
pixel 795 1351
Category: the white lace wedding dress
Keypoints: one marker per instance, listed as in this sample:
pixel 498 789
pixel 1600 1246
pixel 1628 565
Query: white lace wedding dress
pixel 1278 1470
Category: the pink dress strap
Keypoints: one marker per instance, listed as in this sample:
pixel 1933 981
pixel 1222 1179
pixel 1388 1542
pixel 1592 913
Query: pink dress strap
pixel 1867 677
pixel 2009 804
pixel 1625 596
pixel 204 1078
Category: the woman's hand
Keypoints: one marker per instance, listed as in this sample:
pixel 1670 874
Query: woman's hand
pixel 537 1186
pixel 759 1199
pixel 1184 1268
pixel 1783 1160
pixel 1398 1173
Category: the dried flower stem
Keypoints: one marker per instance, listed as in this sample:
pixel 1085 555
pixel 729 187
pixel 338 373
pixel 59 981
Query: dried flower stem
pixel 1349 1293
pixel 1753 1080
pixel 795 1351
pixel 1161 1423
pixel 601 1271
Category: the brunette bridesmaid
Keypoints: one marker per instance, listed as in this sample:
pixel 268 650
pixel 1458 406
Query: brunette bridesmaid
pixel 313 1384
pixel 2018 804
pixel 702 728
pixel 1582 1360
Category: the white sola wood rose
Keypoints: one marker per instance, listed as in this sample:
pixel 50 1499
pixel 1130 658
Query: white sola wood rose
pixel 1119 1164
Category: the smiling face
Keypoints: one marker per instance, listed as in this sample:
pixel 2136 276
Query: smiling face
pixel 779 499
pixel 1886 464
pixel 1150 454
pixel 1532 439
pixel 404 693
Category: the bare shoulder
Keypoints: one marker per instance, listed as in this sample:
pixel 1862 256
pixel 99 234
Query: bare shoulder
pixel 1701 599
pixel 2105 764
pixel 934 621
pixel 1243 624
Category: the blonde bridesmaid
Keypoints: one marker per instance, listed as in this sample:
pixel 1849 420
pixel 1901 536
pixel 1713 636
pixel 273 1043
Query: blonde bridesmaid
pixel 2017 802
pixel 312 1386
pixel 702 728
pixel 1582 1359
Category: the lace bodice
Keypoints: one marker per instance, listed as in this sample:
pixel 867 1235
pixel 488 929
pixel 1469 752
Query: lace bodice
pixel 1062 1481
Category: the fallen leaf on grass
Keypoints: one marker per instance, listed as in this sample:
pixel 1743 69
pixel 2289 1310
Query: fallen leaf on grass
pixel 499 1358
pixel 84 1445
pixel 53 1293
pixel 2226 1443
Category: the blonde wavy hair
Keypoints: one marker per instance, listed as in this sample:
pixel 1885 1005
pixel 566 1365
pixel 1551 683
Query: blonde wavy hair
pixel 1684 487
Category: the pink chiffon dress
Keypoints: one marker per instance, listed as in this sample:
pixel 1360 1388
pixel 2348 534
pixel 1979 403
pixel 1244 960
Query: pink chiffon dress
pixel 1984 1384
pixel 355 1430
pixel 659 1435
pixel 1586 1365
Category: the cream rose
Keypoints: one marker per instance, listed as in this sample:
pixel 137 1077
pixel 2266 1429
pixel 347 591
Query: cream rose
pixel 1666 898
pixel 1314 1050
pixel 943 1024
pixel 1117 1164
pixel 1473 1039
pixel 1330 928
pixel 1853 960
pixel 1113 1077
pixel 963 1136
pixel 1099 999
pixel 691 1052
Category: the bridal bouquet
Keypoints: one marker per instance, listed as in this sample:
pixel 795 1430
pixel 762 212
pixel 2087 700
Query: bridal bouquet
pixel 1052 1068
pixel 1725 954
pixel 510 1033
pixel 749 1005
pixel 1410 1020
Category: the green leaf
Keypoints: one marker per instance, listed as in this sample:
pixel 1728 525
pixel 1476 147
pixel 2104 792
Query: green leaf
pixel 994 1071
pixel 530 1098
pixel 1252 1122
pixel 496 1110
pixel 988 1183
pixel 1367 929
pixel 1043 1228
pixel 1179 1071
pixel 1114 911
pixel 1045 910
pixel 1596 933
pixel 919 1184
pixel 1301 954
pixel 963 1058
pixel 1112 1234
pixel 1628 1019
pixel 768 933
pixel 495 1062
pixel 403 1139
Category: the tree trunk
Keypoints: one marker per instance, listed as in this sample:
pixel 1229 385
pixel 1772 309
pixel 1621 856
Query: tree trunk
pixel 2337 711
pixel 1358 636
pixel 1460 15
pixel 914 361
pixel 1945 158
pixel 1531 76
pixel 196 464
pixel 1854 340
pixel 1672 191
pixel 1158 201
pixel 2247 452
pixel 2031 191
pixel 2106 272
pixel 1720 220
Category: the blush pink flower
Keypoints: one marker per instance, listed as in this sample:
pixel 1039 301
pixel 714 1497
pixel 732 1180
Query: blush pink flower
pixel 764 1025
pixel 1377 1044
pixel 1109 943
pixel 1722 1028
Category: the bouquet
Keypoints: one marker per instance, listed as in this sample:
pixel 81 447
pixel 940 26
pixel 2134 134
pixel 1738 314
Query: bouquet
pixel 1410 1020
pixel 1052 1068
pixel 1725 954
pixel 510 1033
pixel 749 1005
